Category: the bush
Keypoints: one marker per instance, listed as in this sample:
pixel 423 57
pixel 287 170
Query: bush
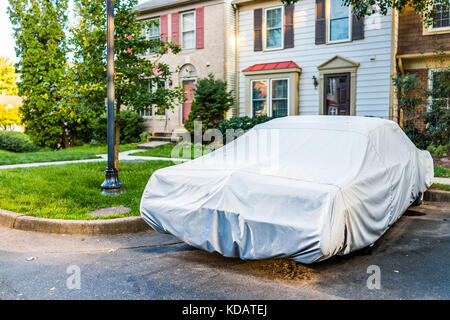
pixel 439 151
pixel 144 135
pixel 16 142
pixel 211 102
pixel 244 123
pixel 132 125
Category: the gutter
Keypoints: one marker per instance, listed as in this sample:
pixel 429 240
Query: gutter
pixel 166 6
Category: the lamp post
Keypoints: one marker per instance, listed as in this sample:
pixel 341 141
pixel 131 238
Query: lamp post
pixel 111 185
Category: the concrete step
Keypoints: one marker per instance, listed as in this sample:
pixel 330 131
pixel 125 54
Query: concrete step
pixel 162 134
pixel 161 138
pixel 152 144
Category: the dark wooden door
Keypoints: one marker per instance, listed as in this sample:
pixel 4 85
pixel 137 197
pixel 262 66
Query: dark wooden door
pixel 337 94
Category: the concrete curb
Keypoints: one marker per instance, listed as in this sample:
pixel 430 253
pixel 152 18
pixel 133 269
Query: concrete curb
pixel 437 195
pixel 23 222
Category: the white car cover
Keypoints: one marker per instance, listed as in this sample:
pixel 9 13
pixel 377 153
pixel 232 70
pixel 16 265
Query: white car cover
pixel 301 187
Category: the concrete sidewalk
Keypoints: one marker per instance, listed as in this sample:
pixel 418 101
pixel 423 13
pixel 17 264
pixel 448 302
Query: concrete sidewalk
pixel 123 156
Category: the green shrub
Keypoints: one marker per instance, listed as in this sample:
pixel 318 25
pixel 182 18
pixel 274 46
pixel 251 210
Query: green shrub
pixel 244 123
pixel 16 142
pixel 211 102
pixel 439 151
pixel 143 136
pixel 132 125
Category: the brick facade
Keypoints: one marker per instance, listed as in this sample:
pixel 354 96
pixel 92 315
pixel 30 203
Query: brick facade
pixel 412 40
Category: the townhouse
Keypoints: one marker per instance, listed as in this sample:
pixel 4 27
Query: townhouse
pixel 313 57
pixel 205 30
pixel 424 50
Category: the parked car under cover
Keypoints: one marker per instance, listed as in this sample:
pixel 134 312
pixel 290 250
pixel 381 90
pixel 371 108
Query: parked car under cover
pixel 301 187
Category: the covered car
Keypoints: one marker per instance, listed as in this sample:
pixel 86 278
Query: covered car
pixel 300 187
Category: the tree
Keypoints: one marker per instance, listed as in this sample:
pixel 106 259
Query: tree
pixel 8 77
pixel 41 48
pixel 140 83
pixel 425 8
pixel 9 116
pixel 51 111
pixel 211 102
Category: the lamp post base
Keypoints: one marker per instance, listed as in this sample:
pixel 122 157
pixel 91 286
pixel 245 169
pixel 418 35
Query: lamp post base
pixel 111 185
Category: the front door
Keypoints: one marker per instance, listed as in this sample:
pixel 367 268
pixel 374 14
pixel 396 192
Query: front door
pixel 337 94
pixel 189 88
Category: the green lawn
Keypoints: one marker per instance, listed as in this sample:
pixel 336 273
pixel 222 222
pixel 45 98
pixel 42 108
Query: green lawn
pixel 440 186
pixel 75 153
pixel 441 172
pixel 71 191
pixel 166 151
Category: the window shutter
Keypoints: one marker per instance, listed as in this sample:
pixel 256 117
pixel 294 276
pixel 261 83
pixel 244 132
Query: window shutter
pixel 257 22
pixel 163 27
pixel 320 22
pixel 289 26
pixel 357 28
pixel 200 29
pixel 175 27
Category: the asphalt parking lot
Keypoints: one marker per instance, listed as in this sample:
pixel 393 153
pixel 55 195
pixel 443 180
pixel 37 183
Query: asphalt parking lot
pixel 412 258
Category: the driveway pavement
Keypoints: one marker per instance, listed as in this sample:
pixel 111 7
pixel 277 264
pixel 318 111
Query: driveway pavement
pixel 413 257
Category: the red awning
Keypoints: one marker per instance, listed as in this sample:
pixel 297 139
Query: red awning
pixel 272 66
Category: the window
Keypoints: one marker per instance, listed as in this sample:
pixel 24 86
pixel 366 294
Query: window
pixel 274 28
pixel 339 21
pixel 280 98
pixel 274 105
pixel 439 81
pixel 155 111
pixel 188 30
pixel 259 98
pixel 154 32
pixel 441 19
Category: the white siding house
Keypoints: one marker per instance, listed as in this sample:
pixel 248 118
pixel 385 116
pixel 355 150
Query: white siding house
pixel 363 66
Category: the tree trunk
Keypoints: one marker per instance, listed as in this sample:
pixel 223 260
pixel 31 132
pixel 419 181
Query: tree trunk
pixel 65 140
pixel 117 142
pixel 74 138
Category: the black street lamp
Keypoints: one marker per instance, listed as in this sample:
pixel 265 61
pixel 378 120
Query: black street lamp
pixel 111 185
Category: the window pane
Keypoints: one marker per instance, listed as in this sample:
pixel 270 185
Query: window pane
pixel 441 18
pixel 441 84
pixel 338 10
pixel 339 29
pixel 273 38
pixel 274 18
pixel 279 98
pixel 280 108
pixel 259 98
pixel 188 22
pixel 188 40
pixel 154 30
pixel 259 90
pixel 279 89
pixel 259 108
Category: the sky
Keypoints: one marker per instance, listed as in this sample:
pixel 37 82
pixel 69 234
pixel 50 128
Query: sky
pixel 6 33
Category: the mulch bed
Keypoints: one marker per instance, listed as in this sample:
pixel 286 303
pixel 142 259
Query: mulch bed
pixel 445 162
